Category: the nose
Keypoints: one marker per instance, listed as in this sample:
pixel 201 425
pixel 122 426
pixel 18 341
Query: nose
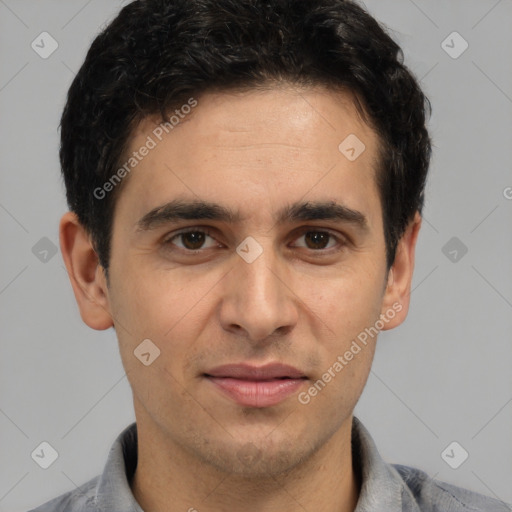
pixel 258 300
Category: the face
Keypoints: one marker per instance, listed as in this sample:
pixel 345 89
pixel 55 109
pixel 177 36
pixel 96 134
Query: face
pixel 247 237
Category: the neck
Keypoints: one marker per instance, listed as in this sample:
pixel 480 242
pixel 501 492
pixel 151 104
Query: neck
pixel 169 478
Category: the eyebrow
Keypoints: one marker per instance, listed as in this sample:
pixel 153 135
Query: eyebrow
pixel 179 209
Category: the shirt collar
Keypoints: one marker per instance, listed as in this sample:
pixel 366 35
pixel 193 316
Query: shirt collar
pixel 382 488
pixel 113 492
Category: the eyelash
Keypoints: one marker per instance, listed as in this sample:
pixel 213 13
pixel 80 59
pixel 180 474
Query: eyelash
pixel 341 241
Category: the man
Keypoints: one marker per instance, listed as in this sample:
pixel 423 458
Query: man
pixel 245 182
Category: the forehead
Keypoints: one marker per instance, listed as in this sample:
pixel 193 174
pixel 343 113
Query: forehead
pixel 253 146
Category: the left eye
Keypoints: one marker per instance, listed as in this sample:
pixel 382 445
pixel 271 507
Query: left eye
pixel 317 240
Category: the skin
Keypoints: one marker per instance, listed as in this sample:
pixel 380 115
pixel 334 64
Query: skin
pixel 254 152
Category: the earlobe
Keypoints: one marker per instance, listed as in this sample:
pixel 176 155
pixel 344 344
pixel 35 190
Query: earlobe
pixel 85 273
pixel 395 304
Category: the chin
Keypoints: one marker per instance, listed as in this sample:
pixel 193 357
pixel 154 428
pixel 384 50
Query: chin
pixel 263 459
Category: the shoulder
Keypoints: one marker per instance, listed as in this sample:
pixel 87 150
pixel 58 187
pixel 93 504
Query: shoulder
pixel 81 499
pixel 436 496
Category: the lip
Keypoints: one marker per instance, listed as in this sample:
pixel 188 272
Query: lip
pixel 256 386
pixel 250 372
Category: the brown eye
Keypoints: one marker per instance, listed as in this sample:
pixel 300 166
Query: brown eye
pixel 317 239
pixel 192 240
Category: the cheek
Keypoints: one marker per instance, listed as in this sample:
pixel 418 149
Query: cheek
pixel 168 308
pixel 154 301
pixel 162 311
pixel 349 308
pixel 346 303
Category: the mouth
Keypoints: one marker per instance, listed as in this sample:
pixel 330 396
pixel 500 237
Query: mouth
pixel 253 386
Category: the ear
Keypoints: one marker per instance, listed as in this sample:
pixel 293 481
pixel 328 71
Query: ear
pixel 395 304
pixel 85 273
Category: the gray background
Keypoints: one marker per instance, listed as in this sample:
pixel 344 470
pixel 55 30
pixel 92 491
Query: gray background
pixel 443 376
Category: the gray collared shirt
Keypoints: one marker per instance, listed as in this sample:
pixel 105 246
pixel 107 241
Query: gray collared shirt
pixel 385 487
